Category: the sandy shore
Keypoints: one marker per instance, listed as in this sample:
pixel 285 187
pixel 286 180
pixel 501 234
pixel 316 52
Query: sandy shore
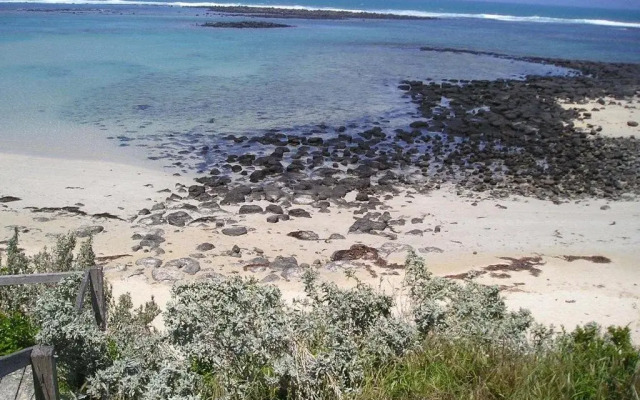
pixel 454 233
pixel 608 116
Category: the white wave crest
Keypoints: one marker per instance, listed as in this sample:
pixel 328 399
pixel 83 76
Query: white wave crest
pixel 409 13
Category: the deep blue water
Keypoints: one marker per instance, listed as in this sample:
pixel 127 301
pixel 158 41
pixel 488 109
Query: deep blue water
pixel 81 73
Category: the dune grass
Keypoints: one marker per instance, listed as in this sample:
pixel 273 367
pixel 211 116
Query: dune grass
pixel 584 364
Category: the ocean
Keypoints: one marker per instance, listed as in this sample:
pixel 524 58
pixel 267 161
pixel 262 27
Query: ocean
pixel 127 80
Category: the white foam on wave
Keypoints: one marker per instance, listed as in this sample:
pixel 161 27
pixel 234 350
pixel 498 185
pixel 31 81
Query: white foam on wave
pixel 410 13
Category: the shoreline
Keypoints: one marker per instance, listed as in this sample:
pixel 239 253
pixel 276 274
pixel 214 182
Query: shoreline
pixel 304 200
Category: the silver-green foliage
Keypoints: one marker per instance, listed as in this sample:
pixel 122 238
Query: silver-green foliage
pixel 60 259
pixel 233 329
pixel 470 309
pixel 235 338
pixel 81 347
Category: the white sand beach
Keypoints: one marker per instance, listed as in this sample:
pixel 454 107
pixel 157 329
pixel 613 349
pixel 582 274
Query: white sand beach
pixel 455 234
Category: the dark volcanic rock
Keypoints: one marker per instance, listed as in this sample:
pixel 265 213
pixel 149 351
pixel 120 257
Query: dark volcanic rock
pixel 304 235
pixel 274 209
pixel 86 231
pixel 179 218
pixel 9 199
pixel 299 213
pixel 245 25
pixel 186 265
pixel 356 252
pixel 236 195
pixel 250 209
pixel 205 247
pixel 281 263
pixel 364 225
pixel 235 231
pixel 277 218
pixel 153 219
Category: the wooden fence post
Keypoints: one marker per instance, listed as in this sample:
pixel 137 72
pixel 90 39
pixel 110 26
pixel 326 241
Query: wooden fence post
pixel 45 377
pixel 96 277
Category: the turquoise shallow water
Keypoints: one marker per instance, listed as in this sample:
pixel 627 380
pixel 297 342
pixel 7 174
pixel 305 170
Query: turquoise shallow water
pixel 81 75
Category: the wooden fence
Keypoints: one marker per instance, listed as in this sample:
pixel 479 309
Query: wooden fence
pixel 41 358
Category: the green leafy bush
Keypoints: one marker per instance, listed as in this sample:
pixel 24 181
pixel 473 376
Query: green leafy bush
pixel 17 332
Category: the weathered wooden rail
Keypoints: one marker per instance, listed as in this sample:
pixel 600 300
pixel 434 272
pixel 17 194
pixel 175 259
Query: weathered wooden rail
pixel 41 358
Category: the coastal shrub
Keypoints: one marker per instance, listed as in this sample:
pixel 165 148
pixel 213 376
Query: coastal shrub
pixel 232 330
pixel 81 347
pixel 60 259
pixel 440 305
pixel 233 338
pixel 16 298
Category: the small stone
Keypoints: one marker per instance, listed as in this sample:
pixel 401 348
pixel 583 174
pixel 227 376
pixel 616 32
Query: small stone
pixel 365 225
pixel 179 218
pixel 605 207
pixel 293 272
pixel 304 235
pixel 362 197
pixel 158 206
pixel 632 124
pixel 235 231
pixel 162 274
pixel 250 209
pixel 425 250
pixel 282 263
pixel 185 264
pixel 336 236
pixel 9 199
pixel 205 247
pixel 88 230
pixel 437 229
pixel 417 232
pixel 272 277
pixel 274 209
pixel 149 262
pixel 299 213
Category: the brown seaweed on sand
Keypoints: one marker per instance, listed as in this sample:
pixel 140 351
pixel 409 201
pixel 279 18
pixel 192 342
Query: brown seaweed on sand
pixel 518 264
pixel 593 259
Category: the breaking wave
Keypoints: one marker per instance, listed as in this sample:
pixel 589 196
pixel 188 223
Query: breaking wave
pixel 414 13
